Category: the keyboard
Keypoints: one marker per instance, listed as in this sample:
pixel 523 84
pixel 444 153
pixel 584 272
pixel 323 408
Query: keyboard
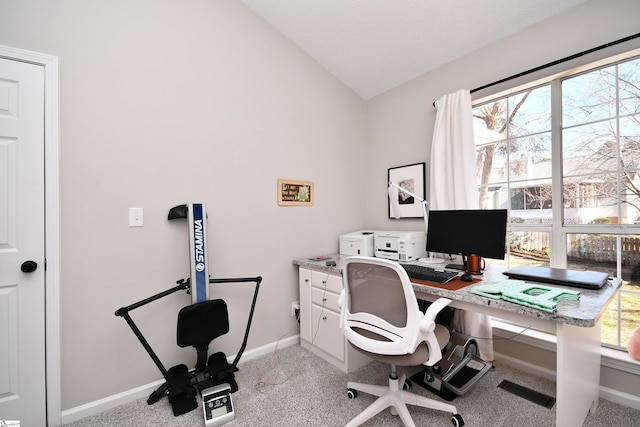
pixel 429 274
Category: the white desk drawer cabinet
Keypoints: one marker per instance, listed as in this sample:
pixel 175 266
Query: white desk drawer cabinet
pixel 320 320
pixel 327 337
pixel 330 282
pixel 327 299
pixel 304 285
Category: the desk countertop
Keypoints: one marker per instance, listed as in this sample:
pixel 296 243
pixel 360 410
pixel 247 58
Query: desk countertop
pixel 584 313
pixel 321 265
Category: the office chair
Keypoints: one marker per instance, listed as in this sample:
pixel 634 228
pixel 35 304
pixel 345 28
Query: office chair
pixel 380 318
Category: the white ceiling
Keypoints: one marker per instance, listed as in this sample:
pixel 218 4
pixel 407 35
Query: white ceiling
pixel 375 45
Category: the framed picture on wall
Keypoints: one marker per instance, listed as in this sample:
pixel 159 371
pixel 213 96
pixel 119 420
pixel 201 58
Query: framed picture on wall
pixel 295 193
pixel 411 177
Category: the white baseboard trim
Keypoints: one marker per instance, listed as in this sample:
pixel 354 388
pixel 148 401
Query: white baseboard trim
pixel 606 393
pixel 525 366
pixel 101 405
pixel 620 398
pixel 97 406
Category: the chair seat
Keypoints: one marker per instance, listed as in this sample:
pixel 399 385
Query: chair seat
pixel 416 358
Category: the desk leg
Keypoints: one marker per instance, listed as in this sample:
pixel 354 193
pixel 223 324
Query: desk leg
pixel 577 373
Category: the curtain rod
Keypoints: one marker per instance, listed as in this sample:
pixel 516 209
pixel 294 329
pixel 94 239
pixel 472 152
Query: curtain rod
pixel 559 61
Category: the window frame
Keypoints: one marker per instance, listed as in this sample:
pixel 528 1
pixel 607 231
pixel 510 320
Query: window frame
pixel 558 230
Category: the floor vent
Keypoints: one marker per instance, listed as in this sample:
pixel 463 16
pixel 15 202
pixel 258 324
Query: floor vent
pixel 526 393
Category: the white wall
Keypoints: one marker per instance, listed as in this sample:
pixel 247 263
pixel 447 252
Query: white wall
pixel 168 102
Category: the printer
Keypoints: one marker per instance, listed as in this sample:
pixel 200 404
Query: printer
pixel 357 243
pixel 400 245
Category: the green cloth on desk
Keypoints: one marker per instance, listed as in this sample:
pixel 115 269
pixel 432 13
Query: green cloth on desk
pixel 529 294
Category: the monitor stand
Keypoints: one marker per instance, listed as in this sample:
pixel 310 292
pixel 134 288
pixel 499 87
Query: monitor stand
pixel 460 267
pixel 431 260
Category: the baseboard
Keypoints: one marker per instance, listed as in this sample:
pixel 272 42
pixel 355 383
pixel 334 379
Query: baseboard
pixel 615 396
pixel 620 398
pixel 97 406
pixel 101 405
pixel 523 366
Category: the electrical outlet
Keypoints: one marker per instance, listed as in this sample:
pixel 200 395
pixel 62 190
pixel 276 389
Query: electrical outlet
pixel 295 305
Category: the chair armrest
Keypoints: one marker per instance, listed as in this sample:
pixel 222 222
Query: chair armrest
pixel 428 322
pixel 427 327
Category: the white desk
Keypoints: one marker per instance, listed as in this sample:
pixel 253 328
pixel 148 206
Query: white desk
pixel 576 325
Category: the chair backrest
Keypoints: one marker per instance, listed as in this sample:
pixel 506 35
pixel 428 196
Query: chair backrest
pixel 379 310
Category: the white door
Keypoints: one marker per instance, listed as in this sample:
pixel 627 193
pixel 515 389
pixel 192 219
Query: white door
pixel 22 257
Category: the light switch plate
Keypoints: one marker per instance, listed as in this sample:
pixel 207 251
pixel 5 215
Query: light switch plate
pixel 136 217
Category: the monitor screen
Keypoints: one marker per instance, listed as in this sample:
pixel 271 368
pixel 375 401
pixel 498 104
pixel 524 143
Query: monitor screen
pixel 466 232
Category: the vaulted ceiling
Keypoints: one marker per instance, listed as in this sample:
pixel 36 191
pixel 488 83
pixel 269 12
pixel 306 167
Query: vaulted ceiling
pixel 375 45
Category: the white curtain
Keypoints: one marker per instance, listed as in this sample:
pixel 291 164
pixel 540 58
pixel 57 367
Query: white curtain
pixel 452 185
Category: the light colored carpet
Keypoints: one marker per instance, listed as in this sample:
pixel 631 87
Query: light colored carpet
pixel 293 387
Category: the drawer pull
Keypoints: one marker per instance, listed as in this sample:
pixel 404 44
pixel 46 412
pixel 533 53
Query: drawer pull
pixel 324 317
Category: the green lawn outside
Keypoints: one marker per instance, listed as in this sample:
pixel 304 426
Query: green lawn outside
pixel 630 321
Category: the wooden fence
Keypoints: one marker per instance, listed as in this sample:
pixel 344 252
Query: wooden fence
pixel 600 248
pixel 534 242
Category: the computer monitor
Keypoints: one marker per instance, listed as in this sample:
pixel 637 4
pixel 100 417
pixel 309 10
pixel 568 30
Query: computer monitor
pixel 467 232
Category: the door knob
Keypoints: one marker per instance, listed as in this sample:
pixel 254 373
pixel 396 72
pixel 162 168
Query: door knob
pixel 29 266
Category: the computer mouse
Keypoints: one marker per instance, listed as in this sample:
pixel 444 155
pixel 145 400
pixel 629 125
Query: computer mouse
pixel 466 277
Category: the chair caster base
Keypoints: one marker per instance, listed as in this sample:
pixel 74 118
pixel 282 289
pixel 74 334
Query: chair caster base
pixel 457 420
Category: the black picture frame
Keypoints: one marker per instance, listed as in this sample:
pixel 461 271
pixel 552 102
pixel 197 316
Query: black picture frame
pixel 413 178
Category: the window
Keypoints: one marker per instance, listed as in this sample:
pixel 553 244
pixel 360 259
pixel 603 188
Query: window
pixel 564 158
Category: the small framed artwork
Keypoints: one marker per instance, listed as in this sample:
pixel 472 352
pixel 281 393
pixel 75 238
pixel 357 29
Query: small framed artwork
pixel 295 193
pixel 412 178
